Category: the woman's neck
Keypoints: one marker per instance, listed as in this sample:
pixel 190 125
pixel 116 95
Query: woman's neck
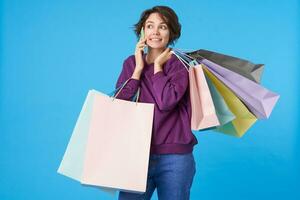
pixel 153 54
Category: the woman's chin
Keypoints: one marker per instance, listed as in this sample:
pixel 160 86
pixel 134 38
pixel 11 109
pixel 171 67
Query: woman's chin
pixel 156 46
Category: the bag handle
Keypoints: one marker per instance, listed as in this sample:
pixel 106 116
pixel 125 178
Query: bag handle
pixel 186 54
pixel 189 61
pixel 135 97
pixel 185 64
pixel 183 55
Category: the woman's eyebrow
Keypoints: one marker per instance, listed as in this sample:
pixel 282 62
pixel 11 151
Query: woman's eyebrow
pixel 153 22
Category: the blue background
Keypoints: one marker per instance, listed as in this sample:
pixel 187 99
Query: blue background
pixel 53 52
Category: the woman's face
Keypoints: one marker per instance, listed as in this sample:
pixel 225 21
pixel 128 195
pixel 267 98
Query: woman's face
pixel 156 32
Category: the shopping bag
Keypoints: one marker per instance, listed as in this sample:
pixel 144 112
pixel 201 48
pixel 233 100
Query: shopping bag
pixel 202 106
pixel 223 112
pixel 72 162
pixel 243 120
pixel 73 159
pixel 258 99
pixel 243 67
pixel 118 145
pixel 203 114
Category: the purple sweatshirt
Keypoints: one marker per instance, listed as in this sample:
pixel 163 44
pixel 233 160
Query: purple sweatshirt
pixel 168 91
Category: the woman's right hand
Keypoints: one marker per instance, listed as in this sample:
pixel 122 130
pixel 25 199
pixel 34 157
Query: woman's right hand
pixel 139 62
pixel 139 51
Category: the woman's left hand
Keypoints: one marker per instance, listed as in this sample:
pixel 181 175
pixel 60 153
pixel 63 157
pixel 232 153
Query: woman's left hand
pixel 161 59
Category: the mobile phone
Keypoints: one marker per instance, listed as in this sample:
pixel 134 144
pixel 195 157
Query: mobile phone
pixel 142 35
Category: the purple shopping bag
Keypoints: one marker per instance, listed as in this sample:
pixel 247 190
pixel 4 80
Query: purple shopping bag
pixel 258 99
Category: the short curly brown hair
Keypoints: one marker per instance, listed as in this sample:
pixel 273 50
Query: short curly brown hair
pixel 168 15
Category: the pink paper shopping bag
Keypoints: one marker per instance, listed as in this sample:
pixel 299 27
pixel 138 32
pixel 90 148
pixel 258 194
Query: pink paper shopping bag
pixel 118 145
pixel 203 109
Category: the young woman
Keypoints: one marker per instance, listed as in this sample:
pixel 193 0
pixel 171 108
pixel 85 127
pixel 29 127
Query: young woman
pixel 163 81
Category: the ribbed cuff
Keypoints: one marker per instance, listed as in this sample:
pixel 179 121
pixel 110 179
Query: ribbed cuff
pixel 157 76
pixel 133 84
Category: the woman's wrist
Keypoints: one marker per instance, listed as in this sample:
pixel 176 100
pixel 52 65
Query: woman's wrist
pixel 137 73
pixel 157 68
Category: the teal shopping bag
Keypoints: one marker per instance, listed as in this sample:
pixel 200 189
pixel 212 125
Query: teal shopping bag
pixel 72 162
pixel 223 112
pixel 73 159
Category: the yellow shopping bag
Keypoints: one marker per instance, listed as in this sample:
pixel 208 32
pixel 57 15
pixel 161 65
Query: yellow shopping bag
pixel 244 119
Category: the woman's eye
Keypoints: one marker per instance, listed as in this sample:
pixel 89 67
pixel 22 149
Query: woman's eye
pixel 163 27
pixel 149 26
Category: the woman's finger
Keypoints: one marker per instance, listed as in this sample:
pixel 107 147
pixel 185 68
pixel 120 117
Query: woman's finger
pixel 166 51
pixel 141 44
pixel 142 40
pixel 141 47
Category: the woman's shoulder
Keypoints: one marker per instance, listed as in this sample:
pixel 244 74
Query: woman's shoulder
pixel 129 63
pixel 130 59
pixel 174 64
pixel 171 66
pixel 173 60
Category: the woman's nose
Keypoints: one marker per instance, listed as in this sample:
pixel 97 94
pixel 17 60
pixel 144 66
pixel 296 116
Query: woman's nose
pixel 155 31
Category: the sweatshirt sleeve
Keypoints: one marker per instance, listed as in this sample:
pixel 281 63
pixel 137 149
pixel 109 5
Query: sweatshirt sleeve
pixel 130 89
pixel 170 88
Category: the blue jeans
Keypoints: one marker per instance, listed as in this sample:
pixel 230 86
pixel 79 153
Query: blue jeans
pixel 171 174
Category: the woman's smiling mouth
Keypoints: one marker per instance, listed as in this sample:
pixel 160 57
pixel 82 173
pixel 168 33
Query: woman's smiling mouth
pixel 155 39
